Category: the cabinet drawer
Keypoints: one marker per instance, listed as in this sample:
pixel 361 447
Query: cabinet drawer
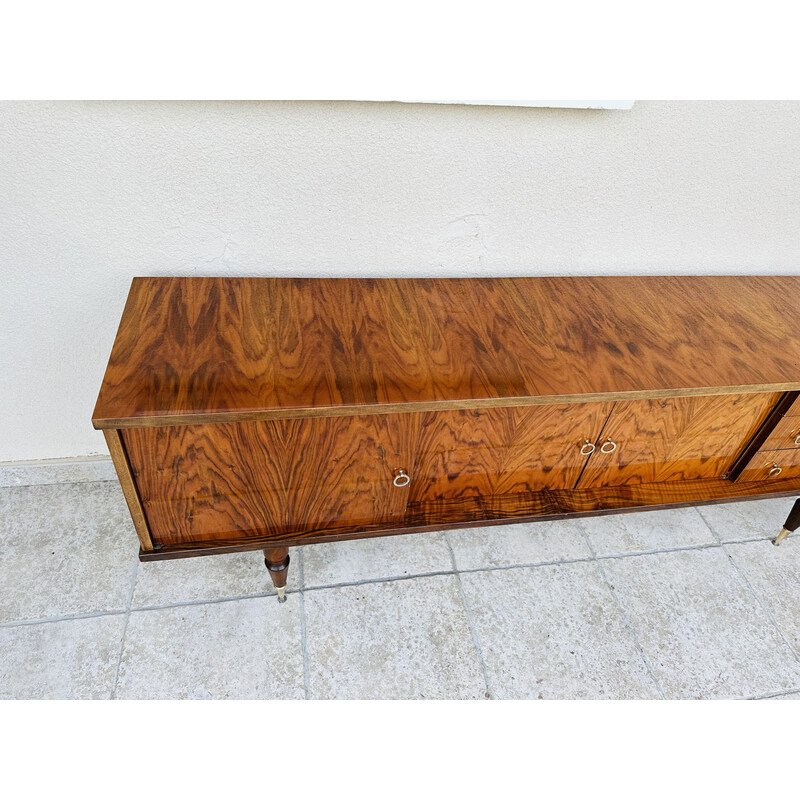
pixel 794 409
pixel 785 435
pixel 772 465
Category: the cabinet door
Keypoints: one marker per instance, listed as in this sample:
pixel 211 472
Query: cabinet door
pixel 231 481
pixel 472 453
pixel 684 438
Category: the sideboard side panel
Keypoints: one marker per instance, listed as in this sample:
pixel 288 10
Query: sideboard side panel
pixel 121 464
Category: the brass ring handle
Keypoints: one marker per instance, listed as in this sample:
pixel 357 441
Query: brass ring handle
pixel 775 471
pixel 797 440
pixel 401 478
pixel 584 451
pixel 612 446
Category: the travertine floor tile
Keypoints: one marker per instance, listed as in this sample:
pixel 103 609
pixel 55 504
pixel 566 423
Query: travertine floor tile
pixel 774 574
pixel 748 520
pixel 70 660
pixel 215 577
pixel 702 629
pixel 364 559
pixel 65 549
pixel 402 639
pixel 647 530
pixel 554 632
pixel 242 649
pixel 526 543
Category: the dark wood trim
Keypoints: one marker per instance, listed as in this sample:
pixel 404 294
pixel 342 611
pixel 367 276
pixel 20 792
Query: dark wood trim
pixel 793 520
pixel 162 420
pixel 761 436
pixel 277 560
pixel 532 507
pixel 119 457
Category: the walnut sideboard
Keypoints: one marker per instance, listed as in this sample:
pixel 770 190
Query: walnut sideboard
pixel 262 413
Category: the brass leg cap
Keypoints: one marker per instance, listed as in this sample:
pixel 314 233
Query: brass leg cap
pixel 781 536
pixel 282 594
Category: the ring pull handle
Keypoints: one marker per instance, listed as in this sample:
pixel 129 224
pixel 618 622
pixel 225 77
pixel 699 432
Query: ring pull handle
pixel 608 446
pixel 401 478
pixel 797 440
pixel 775 471
pixel 590 446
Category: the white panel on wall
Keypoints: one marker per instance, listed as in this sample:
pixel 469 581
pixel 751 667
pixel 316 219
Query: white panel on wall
pixel 500 97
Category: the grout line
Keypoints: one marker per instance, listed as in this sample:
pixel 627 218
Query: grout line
pixel 378 580
pixel 679 549
pixel 124 630
pixel 773 694
pixel 211 601
pixel 761 603
pixel 748 539
pixel 623 614
pixel 470 622
pixel 525 565
pixel 303 634
pixel 708 525
pixel 65 618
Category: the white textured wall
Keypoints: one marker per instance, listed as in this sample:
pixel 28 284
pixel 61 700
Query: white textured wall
pixel 94 193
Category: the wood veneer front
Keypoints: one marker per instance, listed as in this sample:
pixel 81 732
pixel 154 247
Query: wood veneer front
pixel 675 439
pixel 785 435
pixel 794 409
pixel 275 478
pixel 503 450
pixel 762 465
pixel 206 482
pixel 467 512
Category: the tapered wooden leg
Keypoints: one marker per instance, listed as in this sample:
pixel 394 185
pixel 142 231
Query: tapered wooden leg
pixel 277 561
pixel 792 523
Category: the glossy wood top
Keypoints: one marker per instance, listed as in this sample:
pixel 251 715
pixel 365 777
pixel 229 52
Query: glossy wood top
pixel 222 349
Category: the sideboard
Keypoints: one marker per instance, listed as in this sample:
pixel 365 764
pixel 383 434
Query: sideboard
pixel 263 413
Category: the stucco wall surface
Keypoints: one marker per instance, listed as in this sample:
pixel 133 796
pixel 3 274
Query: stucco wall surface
pixel 92 194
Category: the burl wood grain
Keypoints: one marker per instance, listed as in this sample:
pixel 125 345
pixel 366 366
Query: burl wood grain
pixel 239 480
pixel 523 507
pixel 785 435
pixel 223 349
pixel 493 451
pixel 675 439
pixel 530 506
pixel 761 466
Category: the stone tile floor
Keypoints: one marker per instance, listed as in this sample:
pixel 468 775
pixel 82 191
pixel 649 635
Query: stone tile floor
pixel 686 603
